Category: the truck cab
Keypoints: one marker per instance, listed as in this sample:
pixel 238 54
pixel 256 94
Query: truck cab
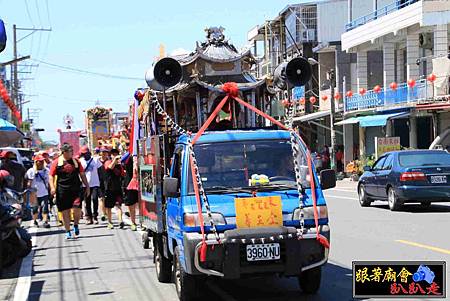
pixel 262 225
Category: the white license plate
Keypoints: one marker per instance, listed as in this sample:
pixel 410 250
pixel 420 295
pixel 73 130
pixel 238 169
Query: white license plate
pixel 263 252
pixel 438 179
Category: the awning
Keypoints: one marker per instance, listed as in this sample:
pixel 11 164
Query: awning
pixel 312 116
pixel 373 120
pixel 350 120
pixel 377 120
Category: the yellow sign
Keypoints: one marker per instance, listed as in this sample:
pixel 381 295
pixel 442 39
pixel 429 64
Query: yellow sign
pixel 386 144
pixel 258 212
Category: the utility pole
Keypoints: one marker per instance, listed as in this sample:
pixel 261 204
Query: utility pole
pixel 331 78
pixel 15 84
pixel 14 74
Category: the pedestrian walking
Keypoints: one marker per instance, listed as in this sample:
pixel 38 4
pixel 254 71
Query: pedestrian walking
pixel 65 175
pixel 90 165
pixel 340 160
pixel 131 187
pixel 104 156
pixel 113 188
pixel 38 180
pixel 15 169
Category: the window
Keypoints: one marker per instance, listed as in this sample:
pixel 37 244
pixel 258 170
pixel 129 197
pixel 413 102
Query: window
pixel 379 164
pixel 177 164
pixel 232 164
pixel 424 159
pixel 387 165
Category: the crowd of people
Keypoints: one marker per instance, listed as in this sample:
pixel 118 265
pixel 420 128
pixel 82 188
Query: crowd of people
pixel 86 185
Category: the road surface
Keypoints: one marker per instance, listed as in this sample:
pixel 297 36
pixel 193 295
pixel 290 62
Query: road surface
pixel 112 265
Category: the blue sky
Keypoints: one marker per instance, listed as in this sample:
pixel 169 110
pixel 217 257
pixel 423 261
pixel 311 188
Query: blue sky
pixel 113 37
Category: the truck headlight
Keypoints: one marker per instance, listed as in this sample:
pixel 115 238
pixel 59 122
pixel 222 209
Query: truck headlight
pixel 192 220
pixel 308 213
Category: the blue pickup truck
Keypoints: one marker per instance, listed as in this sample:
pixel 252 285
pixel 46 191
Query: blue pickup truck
pixel 231 165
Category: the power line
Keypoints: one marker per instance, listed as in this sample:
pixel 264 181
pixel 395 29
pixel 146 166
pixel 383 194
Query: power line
pixel 76 70
pixel 28 13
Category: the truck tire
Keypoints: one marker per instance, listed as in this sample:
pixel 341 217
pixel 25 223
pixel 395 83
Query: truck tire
pixel 163 266
pixel 185 284
pixel 309 280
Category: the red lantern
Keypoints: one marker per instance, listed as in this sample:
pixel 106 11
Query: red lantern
pixel 302 100
pixel 432 77
pixel 362 91
pixel 393 86
pixel 312 100
pixel 337 96
pixel 377 89
pixel 285 102
pixel 349 93
pixel 411 83
pixel 324 97
pixel 4 94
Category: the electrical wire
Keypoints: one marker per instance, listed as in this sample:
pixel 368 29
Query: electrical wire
pixel 28 12
pixel 81 71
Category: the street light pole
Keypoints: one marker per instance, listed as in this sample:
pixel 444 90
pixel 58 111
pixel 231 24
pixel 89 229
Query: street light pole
pixel 331 78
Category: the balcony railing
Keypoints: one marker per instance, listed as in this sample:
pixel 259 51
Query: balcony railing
pixel 396 5
pixel 402 96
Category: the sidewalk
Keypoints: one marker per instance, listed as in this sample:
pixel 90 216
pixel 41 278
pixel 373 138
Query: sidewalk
pixel 346 183
pixel 100 264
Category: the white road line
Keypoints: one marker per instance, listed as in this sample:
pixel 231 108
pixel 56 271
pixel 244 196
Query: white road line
pixel 24 281
pixel 344 190
pixel 340 197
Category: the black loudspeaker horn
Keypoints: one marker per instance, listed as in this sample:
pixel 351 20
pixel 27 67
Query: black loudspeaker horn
pixel 296 72
pixel 167 72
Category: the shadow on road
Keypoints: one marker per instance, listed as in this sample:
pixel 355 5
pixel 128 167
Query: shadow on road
pixel 50 232
pixel 36 290
pixel 63 270
pixel 336 285
pixel 417 208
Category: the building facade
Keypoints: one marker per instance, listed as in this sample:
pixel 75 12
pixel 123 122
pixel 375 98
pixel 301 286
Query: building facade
pixel 400 82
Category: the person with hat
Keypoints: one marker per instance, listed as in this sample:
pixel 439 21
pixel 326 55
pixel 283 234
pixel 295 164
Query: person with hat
pixel 16 169
pixel 37 180
pixel 104 156
pixel 113 187
pixel 91 166
pixel 65 175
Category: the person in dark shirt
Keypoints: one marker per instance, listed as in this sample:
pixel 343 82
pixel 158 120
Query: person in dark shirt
pixel 104 156
pixel 65 185
pixel 14 168
pixel 113 187
pixel 131 186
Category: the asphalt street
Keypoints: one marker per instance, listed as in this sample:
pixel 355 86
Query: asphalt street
pixel 111 264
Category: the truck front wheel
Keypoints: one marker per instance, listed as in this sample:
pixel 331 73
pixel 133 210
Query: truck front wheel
pixel 309 280
pixel 185 284
pixel 163 266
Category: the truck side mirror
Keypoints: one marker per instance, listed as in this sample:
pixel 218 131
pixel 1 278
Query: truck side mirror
pixel 170 187
pixel 327 179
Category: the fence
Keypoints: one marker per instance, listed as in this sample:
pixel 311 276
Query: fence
pixel 403 95
pixel 396 5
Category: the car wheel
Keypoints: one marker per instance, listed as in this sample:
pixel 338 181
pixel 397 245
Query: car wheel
pixel 163 266
pixel 309 280
pixel 364 201
pixel 186 285
pixel 394 203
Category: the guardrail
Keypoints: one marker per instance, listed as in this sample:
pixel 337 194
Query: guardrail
pixel 396 5
pixel 403 95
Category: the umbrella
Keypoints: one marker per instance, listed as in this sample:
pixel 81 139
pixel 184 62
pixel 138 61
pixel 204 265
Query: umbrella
pixel 9 133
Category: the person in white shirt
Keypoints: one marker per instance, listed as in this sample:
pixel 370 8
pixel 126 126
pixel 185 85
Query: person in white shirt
pixel 38 180
pixel 91 166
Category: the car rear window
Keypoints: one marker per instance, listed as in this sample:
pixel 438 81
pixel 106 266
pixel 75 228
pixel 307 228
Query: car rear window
pixel 424 159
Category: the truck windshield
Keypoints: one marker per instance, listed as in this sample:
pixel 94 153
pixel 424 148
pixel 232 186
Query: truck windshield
pixel 231 165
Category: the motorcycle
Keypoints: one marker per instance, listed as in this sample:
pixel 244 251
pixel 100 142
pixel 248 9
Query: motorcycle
pixel 15 241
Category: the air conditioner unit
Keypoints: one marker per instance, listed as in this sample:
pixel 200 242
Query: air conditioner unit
pixel 426 40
